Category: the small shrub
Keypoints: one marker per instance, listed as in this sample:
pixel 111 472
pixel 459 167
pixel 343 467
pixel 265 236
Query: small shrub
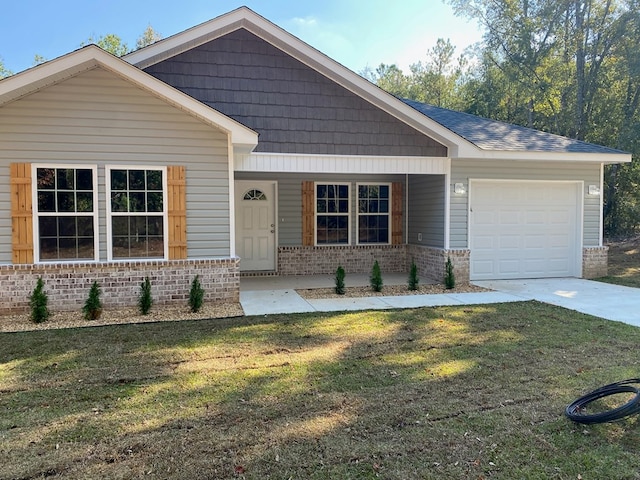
pixel 376 278
pixel 38 301
pixel 413 277
pixel 145 300
pixel 196 295
pixel 92 308
pixel 340 281
pixel 449 277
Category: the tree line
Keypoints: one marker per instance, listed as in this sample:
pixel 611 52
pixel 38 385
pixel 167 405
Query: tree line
pixel 569 67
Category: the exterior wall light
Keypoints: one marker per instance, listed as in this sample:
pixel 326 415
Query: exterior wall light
pixel 458 188
pixel 594 190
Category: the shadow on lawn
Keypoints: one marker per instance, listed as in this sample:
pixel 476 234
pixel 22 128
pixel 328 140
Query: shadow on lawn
pixel 401 394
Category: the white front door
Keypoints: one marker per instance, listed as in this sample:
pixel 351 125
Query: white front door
pixel 524 229
pixel 256 225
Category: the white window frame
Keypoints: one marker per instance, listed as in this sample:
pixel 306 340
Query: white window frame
pixel 315 213
pixel 37 214
pixel 110 214
pixel 358 214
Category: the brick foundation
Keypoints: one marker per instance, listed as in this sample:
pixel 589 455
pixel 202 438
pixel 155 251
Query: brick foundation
pixel 67 285
pixel 431 262
pixel 353 258
pixel 595 262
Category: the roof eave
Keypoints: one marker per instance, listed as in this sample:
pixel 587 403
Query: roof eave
pixel 577 157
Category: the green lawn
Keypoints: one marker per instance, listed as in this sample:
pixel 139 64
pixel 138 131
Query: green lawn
pixel 452 393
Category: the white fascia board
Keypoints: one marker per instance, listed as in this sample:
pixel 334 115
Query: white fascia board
pixel 245 18
pixel 92 56
pixel 347 164
pixel 575 157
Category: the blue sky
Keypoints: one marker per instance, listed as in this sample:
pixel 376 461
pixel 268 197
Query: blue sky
pixel 357 33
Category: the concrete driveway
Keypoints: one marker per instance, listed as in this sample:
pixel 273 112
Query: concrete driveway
pixel 604 300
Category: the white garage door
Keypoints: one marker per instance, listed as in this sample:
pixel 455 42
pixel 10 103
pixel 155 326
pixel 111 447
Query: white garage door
pixel 521 229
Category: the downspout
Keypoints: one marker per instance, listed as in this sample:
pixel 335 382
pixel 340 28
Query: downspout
pixel 601 205
pixel 406 202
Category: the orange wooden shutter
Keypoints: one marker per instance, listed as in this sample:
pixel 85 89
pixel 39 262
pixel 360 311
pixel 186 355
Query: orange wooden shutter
pixel 308 213
pixel 177 211
pixel 21 213
pixel 396 213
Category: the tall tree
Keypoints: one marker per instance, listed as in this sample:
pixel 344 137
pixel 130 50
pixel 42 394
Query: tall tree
pixel 148 37
pixel 4 72
pixel 111 43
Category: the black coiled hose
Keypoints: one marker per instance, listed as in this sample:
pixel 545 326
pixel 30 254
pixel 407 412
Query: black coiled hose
pixel 575 410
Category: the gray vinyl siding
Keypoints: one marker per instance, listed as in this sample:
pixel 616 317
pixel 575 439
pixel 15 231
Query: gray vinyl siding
pixel 427 210
pixel 294 108
pixel 290 200
pixel 463 170
pixel 97 118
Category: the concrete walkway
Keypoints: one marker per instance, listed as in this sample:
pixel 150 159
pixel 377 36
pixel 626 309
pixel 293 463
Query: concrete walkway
pixel 604 300
pixel 272 295
pixel 276 295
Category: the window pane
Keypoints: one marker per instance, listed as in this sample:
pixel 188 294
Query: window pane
pixel 384 191
pixel 321 206
pixel 154 225
pixel 154 202
pixel 84 179
pixel 85 247
pixel 48 226
pixel 137 202
pixel 331 191
pixel 321 191
pixel 48 248
pixel 65 178
pixel 154 180
pixel 384 206
pixel 46 179
pixel 84 202
pixel 119 202
pixel 332 206
pixel 343 190
pixel 118 180
pixel 120 226
pixel 85 226
pixel 343 206
pixel 136 179
pixel 46 201
pixel 67 248
pixel 67 226
pixel 66 202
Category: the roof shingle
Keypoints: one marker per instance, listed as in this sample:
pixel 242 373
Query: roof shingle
pixel 494 135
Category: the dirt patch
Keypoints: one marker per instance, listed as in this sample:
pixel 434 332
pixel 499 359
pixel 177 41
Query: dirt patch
pixel 387 291
pixel 160 313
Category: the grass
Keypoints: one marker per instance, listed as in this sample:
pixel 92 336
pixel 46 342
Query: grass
pixel 456 392
pixel 624 263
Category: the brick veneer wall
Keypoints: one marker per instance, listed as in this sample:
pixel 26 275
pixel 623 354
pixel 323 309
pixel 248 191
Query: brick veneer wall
pixel 302 260
pixel 67 285
pixel 431 262
pixel 595 262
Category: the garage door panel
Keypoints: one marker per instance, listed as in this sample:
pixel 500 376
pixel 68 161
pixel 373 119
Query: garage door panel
pixel 523 229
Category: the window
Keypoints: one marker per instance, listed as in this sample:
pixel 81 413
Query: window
pixel 373 213
pixel 332 214
pixel 65 213
pixel 254 195
pixel 137 212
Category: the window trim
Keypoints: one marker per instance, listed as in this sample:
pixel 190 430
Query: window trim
pixel 109 214
pixel 36 214
pixel 315 213
pixel 389 213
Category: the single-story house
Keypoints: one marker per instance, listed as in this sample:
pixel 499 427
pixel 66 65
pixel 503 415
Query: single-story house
pixel 234 148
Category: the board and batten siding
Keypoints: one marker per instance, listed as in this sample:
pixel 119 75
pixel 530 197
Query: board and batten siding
pixel 463 170
pixel 427 210
pixel 97 118
pixel 290 199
